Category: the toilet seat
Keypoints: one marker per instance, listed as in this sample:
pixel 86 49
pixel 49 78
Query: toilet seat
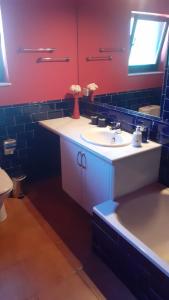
pixel 6 184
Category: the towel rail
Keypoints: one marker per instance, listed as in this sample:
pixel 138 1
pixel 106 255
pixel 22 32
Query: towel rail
pixel 53 59
pixel 99 58
pixel 111 50
pixel 31 50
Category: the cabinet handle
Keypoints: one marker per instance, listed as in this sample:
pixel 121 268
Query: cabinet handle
pixel 79 159
pixel 83 161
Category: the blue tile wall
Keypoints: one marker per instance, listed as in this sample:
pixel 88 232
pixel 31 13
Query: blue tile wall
pixel 132 99
pixel 21 122
pixel 165 92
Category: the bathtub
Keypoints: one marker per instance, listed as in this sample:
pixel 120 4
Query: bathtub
pixel 142 220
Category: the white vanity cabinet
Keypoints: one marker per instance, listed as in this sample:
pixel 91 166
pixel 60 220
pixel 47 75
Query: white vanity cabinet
pixel 93 174
pixel 86 178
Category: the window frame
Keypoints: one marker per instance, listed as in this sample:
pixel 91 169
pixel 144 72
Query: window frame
pixel 148 67
pixel 3 58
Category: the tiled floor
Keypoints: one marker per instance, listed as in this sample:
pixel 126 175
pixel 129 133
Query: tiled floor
pixel 73 227
pixel 51 260
pixel 34 263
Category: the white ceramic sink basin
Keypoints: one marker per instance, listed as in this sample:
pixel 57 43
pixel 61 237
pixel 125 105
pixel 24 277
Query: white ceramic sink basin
pixel 106 137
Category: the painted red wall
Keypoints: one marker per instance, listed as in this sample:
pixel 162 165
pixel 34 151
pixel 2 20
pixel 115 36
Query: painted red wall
pixel 53 23
pixel 34 24
pixel 106 27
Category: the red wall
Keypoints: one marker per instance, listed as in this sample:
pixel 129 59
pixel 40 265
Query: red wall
pixel 52 23
pixel 34 24
pixel 107 27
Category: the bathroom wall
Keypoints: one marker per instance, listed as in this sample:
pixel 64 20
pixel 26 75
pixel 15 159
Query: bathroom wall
pixel 133 99
pixel 41 23
pixel 107 26
pixel 164 169
pixel 37 151
pixel 36 24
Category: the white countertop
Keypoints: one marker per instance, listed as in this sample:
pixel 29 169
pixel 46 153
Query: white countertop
pixel 72 129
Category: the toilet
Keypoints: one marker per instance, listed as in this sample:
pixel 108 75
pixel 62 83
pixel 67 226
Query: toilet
pixel 6 186
pixel 150 110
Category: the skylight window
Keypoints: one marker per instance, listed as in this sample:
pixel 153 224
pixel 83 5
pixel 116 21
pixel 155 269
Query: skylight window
pixel 3 64
pixel 147 35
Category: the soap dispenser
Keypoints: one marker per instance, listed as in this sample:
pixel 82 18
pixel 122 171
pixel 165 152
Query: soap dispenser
pixel 137 137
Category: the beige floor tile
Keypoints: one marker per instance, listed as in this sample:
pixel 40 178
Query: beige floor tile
pixel 14 284
pixel 73 288
pixel 21 244
pixel 54 236
pixel 36 264
pixel 48 267
pixel 91 285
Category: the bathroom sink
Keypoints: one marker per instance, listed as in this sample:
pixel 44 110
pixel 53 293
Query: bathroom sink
pixel 106 137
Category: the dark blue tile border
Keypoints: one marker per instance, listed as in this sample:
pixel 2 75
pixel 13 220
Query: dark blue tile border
pixel 21 122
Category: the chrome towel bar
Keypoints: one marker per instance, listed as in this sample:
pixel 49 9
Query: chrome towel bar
pixel 31 50
pixel 53 59
pixel 111 50
pixel 98 58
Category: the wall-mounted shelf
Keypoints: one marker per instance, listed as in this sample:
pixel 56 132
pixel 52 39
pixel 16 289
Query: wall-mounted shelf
pixel 37 50
pixel 53 59
pixel 99 58
pixel 102 50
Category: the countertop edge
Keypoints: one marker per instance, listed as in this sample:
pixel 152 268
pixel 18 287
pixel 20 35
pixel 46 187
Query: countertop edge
pixel 94 151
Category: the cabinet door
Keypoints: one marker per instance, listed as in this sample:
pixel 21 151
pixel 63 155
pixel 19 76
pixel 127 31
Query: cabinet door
pixel 71 171
pixel 97 181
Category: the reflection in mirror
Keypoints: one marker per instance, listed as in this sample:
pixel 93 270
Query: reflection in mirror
pixel 148 46
pixel 3 63
pixel 147 38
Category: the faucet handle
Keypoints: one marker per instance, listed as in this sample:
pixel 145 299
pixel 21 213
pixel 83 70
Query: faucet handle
pixel 115 125
pixel 118 125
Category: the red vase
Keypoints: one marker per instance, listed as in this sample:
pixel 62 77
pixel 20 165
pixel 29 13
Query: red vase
pixel 91 96
pixel 76 113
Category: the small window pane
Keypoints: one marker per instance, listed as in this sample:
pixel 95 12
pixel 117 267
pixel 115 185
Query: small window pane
pixel 3 63
pixel 146 42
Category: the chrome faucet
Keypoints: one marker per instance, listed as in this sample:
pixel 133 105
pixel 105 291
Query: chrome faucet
pixel 116 127
pixel 116 130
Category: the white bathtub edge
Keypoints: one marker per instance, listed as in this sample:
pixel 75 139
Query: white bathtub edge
pixel 106 211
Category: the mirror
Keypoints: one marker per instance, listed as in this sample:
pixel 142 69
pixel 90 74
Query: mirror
pixel 147 56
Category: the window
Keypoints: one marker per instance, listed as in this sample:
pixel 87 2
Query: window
pixel 147 35
pixel 3 64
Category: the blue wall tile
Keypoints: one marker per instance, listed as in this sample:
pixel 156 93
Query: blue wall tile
pixel 132 99
pixel 21 122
